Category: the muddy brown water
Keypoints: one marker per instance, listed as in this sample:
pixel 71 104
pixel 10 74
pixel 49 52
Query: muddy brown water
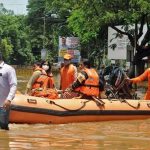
pixel 112 135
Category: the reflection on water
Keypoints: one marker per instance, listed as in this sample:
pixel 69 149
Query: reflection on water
pixel 117 135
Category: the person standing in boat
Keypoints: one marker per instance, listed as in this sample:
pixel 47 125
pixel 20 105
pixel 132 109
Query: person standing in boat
pixel 142 77
pixel 68 73
pixel 8 87
pixel 87 83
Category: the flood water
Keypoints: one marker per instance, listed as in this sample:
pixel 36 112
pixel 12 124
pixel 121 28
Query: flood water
pixel 114 135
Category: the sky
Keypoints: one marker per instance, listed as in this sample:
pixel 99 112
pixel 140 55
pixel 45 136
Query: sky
pixel 18 6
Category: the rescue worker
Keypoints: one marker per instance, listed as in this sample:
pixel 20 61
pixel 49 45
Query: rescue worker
pixel 44 85
pixel 37 71
pixel 142 77
pixel 87 82
pixel 42 81
pixel 68 73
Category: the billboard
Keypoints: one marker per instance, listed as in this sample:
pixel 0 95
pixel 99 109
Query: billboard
pixel 69 45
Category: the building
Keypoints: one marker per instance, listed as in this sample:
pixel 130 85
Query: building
pixel 119 47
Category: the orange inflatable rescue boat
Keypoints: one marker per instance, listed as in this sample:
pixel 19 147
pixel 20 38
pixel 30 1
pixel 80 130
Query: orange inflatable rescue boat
pixel 29 109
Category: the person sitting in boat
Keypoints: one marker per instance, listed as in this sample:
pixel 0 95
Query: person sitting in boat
pixel 142 77
pixel 37 71
pixel 87 83
pixel 43 86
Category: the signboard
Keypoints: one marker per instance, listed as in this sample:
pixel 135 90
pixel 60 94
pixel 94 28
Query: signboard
pixel 120 51
pixel 69 45
pixel 120 48
pixel 72 42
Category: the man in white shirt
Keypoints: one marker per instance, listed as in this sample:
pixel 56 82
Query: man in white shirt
pixel 8 86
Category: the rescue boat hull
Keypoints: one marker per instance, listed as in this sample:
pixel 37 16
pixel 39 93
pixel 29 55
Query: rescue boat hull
pixel 32 110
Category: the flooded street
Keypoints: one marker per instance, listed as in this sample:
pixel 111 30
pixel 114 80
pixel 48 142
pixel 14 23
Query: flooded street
pixel 120 135
pixel 114 135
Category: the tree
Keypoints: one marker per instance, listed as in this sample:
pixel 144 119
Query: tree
pixel 14 41
pixel 44 27
pixel 6 48
pixel 79 23
pixel 91 17
pixel 130 13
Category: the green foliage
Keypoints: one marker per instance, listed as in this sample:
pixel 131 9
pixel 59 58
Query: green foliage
pixel 81 27
pixel 6 48
pixel 87 19
pixel 14 42
pixel 45 34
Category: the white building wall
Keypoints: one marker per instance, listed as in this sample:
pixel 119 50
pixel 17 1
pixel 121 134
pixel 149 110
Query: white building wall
pixel 120 52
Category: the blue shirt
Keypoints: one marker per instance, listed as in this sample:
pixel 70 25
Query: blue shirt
pixel 8 82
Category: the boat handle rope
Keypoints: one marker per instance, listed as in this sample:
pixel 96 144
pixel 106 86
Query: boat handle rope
pixel 135 107
pixel 52 102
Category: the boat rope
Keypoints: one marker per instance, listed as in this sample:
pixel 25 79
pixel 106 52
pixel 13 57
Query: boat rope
pixel 54 103
pixel 125 101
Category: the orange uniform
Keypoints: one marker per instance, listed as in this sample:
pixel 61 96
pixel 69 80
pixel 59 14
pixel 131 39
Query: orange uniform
pixel 91 85
pixel 43 81
pixel 68 76
pixel 44 87
pixel 142 77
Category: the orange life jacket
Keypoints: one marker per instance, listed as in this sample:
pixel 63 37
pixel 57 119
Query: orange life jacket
pixel 44 87
pixel 91 86
pixel 44 81
pixel 48 93
pixel 67 76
